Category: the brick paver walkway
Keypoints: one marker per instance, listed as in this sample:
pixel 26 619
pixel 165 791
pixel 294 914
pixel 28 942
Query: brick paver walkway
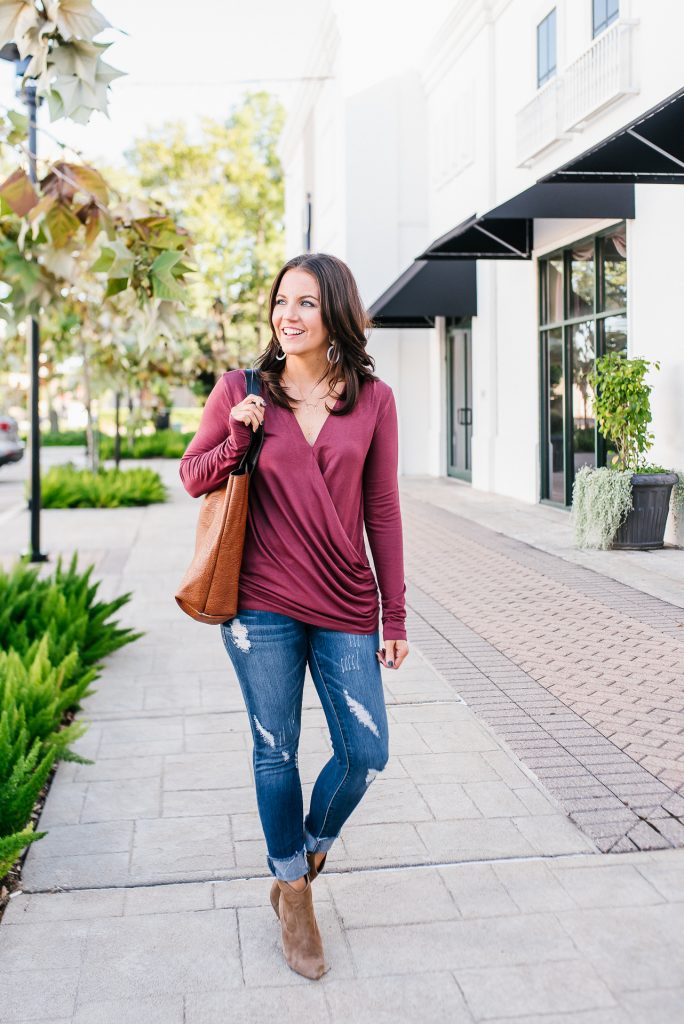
pixel 584 676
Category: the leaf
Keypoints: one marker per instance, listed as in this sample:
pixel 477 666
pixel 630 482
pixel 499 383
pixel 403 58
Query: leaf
pixel 116 285
pixel 20 125
pixel 61 224
pixel 89 180
pixel 16 18
pixel 19 193
pixel 76 18
pixel 165 261
pixel 165 286
pixel 104 261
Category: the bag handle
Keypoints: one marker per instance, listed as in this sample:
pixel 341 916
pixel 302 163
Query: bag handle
pixel 249 459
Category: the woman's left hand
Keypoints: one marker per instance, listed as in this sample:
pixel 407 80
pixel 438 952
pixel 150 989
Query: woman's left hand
pixel 393 652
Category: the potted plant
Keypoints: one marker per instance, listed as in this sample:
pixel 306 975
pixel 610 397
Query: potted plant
pixel 626 504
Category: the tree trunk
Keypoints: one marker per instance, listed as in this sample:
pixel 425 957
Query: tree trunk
pixel 91 432
pixel 117 433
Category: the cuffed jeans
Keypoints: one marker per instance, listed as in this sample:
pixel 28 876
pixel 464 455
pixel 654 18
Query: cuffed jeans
pixel 270 652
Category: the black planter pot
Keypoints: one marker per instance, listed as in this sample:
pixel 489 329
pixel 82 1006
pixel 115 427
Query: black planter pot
pixel 644 527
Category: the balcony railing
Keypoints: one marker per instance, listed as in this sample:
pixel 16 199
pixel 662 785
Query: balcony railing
pixel 602 74
pixel 538 125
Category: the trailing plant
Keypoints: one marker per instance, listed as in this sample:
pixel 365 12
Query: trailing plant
pixel 622 404
pixel 601 501
pixel 69 487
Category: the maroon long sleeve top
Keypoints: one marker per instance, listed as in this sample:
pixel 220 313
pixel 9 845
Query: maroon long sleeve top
pixel 304 553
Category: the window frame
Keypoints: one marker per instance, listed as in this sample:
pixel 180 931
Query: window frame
pixel 597 29
pixel 551 69
pixel 598 317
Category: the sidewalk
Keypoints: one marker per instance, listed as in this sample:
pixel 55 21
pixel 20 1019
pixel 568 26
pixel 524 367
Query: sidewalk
pixel 459 891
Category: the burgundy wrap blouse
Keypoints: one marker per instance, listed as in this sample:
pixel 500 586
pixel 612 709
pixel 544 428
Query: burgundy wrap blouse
pixel 304 553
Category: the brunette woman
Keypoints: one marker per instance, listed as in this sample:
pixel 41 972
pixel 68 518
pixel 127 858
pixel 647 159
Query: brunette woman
pixel 307 594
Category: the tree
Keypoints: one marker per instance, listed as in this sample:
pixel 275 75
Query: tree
pixel 226 186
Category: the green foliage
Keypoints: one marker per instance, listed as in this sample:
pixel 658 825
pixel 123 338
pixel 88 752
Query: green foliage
pixel 236 219
pixel 168 444
pixel 11 846
pixel 623 406
pixel 69 487
pixel 64 607
pixel 71 438
pixel 53 634
pixel 601 501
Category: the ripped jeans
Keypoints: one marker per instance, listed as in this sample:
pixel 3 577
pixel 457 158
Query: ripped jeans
pixel 269 652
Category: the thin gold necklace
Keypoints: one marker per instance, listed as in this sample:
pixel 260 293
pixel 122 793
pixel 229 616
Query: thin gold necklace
pixel 307 403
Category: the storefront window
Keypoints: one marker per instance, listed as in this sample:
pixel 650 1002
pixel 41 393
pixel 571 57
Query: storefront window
pixel 583 315
pixel 615 271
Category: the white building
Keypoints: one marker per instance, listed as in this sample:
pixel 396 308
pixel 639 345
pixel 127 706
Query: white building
pixel 492 389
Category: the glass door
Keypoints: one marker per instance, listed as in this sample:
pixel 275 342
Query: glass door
pixel 583 294
pixel 459 400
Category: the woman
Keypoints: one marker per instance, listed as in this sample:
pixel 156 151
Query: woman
pixel 307 594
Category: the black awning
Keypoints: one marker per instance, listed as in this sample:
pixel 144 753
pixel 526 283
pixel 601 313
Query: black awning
pixel 484 238
pixel 580 199
pixel 507 231
pixel 426 290
pixel 649 150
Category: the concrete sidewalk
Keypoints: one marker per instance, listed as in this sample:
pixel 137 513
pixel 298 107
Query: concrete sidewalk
pixel 459 890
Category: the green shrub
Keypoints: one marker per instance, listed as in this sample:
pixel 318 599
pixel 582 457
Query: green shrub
pixel 53 634
pixel 167 444
pixel 69 487
pixel 64 608
pixel 622 401
pixel 64 437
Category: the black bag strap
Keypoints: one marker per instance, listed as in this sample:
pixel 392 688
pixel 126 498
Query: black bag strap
pixel 249 459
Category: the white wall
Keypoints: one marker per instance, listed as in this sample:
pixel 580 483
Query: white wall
pixel 394 158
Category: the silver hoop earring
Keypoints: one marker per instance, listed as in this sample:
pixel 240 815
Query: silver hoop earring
pixel 337 357
pixel 284 355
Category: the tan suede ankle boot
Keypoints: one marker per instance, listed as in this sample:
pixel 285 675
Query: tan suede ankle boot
pixel 302 943
pixel 313 872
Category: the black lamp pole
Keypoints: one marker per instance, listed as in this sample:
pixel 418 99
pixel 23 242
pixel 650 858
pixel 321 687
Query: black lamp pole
pixel 28 94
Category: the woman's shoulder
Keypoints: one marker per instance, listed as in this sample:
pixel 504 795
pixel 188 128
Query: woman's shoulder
pixel 378 394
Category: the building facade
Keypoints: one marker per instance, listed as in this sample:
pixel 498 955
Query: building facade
pixel 494 392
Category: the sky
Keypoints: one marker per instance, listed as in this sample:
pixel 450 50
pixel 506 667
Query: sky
pixel 186 58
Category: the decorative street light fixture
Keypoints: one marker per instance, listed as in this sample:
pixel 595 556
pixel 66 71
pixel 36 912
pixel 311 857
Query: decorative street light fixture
pixel 27 92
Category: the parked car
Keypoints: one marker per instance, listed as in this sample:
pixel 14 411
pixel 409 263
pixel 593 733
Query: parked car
pixel 11 448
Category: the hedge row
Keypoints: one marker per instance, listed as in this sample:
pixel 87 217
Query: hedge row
pixel 164 444
pixel 69 487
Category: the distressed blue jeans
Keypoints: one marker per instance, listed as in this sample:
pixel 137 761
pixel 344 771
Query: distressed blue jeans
pixel 270 652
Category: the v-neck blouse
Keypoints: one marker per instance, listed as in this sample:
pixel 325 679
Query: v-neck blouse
pixel 304 553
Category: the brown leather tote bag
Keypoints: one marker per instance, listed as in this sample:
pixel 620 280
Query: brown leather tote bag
pixel 209 590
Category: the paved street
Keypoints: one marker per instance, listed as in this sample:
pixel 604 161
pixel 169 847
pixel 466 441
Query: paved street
pixel 469 886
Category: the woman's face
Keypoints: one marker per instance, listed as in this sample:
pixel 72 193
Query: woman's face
pixel 297 314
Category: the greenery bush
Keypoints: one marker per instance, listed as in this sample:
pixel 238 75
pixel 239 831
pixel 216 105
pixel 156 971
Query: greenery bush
pixel 168 444
pixel 53 634
pixel 72 438
pixel 69 487
pixel 622 400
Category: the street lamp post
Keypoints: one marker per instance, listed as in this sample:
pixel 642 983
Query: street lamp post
pixel 28 93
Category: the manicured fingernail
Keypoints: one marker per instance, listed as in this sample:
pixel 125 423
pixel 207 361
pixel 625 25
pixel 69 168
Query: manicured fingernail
pixel 389 664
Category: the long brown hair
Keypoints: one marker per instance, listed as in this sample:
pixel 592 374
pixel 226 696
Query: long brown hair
pixel 346 320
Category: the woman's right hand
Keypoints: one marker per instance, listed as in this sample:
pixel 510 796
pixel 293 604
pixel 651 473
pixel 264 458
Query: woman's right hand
pixel 249 411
